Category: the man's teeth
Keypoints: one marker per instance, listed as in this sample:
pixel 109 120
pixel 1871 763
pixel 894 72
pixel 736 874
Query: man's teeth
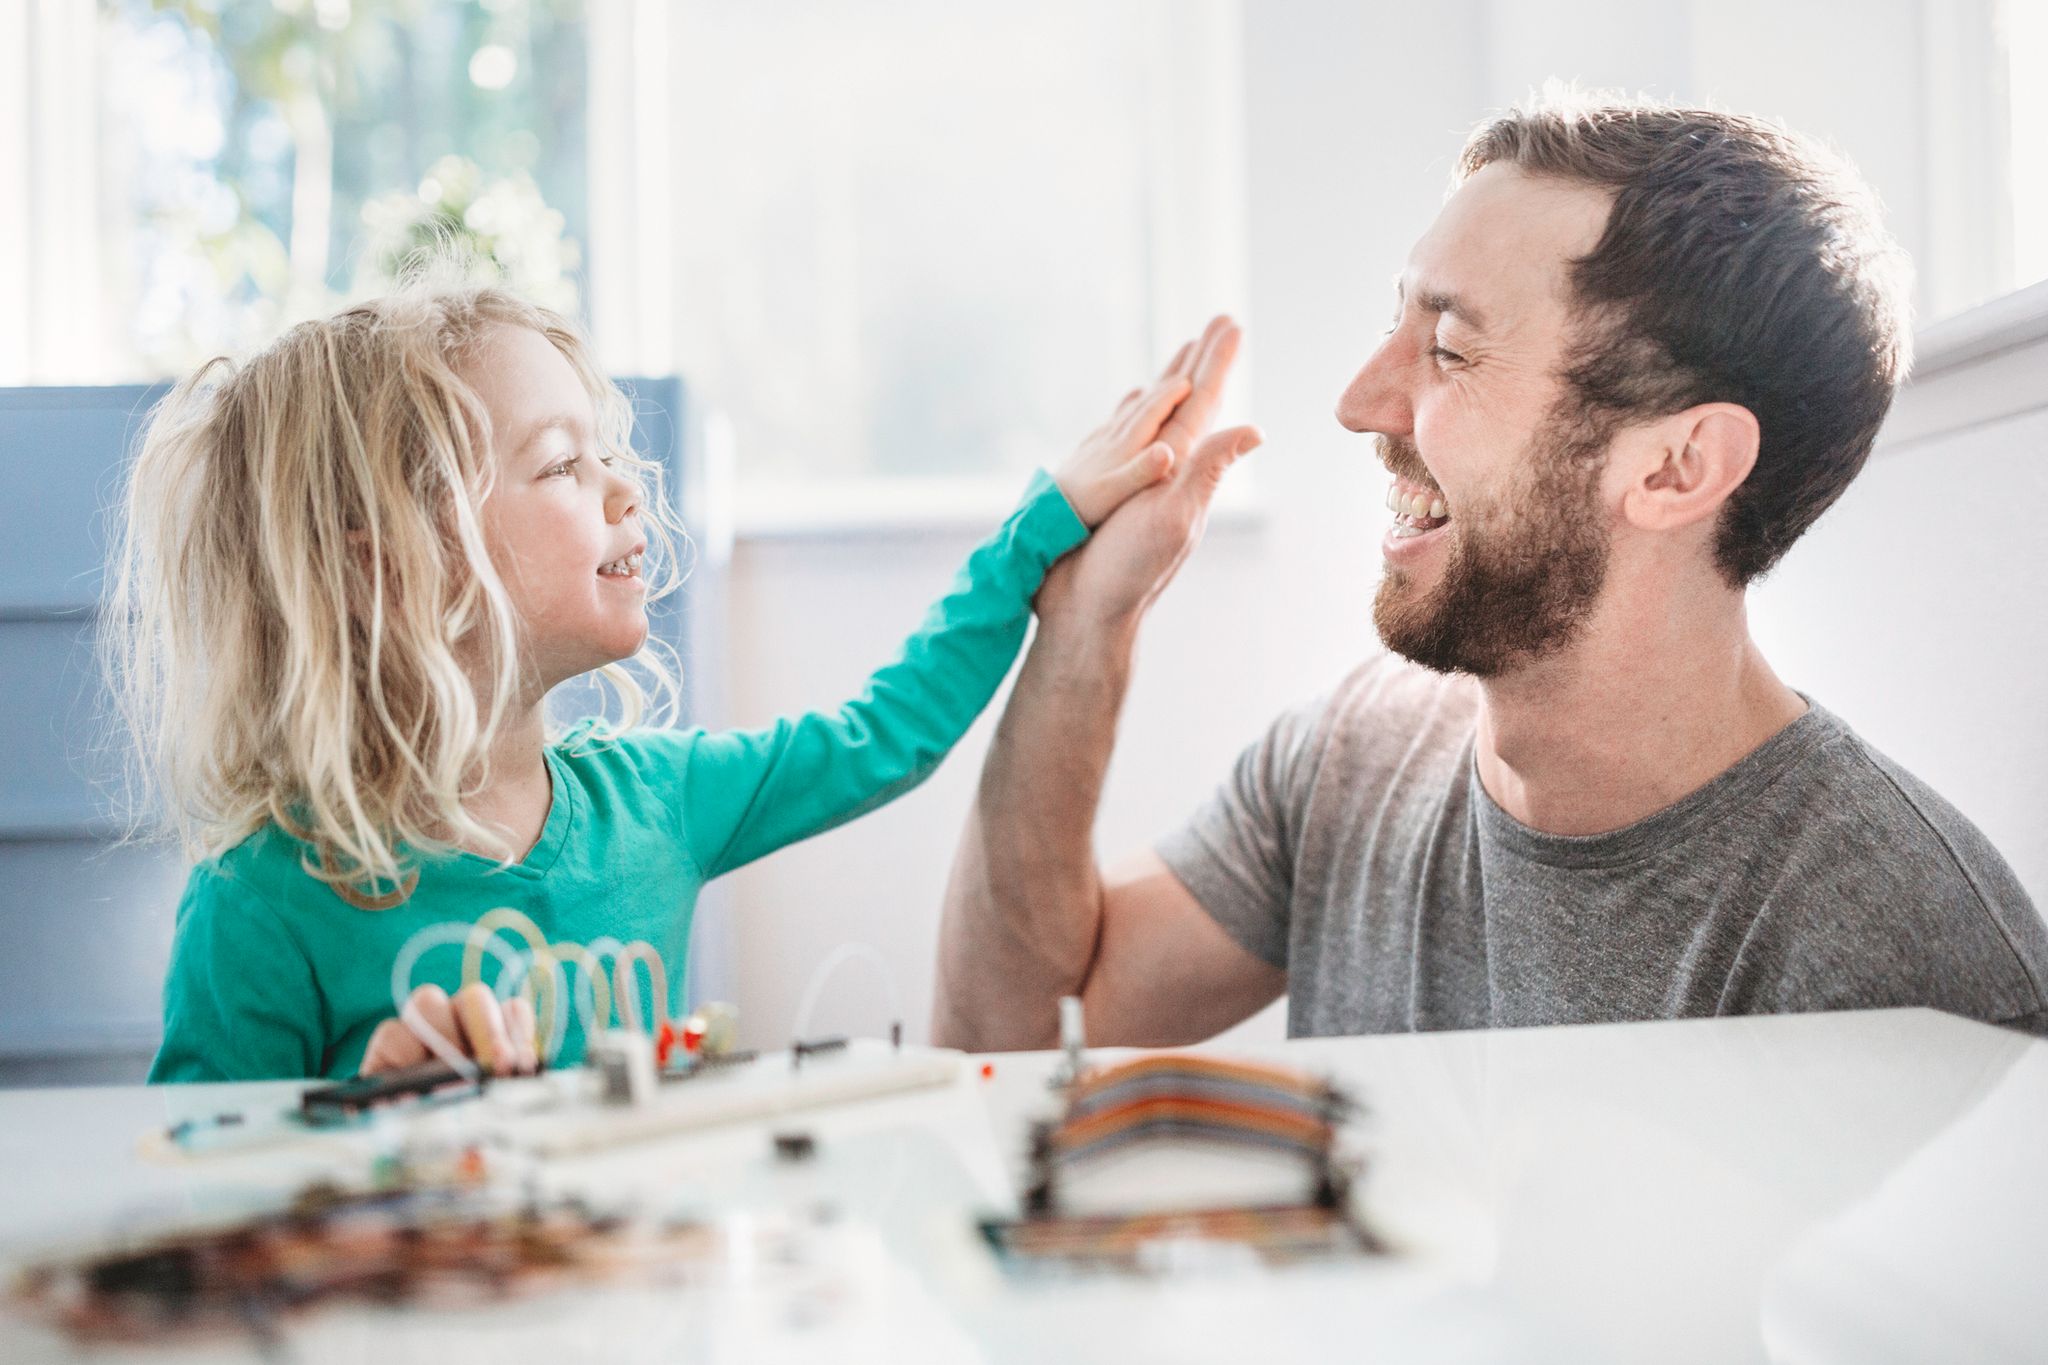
pixel 627 566
pixel 1410 505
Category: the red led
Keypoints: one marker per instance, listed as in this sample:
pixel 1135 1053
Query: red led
pixel 988 1071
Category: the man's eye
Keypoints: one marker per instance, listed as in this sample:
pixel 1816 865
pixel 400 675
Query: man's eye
pixel 1444 357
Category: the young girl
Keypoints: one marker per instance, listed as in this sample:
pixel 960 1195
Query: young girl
pixel 352 570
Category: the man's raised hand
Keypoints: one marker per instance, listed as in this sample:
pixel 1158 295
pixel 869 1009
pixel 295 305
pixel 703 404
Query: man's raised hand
pixel 1135 554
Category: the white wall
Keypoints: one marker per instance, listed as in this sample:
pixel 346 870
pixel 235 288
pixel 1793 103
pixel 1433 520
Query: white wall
pixel 1923 628
pixel 1265 613
pixel 1354 114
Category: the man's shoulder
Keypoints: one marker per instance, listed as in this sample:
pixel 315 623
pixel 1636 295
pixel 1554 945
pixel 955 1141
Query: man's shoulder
pixel 1390 712
pixel 1386 730
pixel 1387 691
pixel 1881 872
pixel 1857 796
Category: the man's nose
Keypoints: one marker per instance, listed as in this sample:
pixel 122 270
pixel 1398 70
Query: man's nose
pixel 1377 398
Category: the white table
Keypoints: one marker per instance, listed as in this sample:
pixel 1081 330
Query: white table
pixel 1849 1187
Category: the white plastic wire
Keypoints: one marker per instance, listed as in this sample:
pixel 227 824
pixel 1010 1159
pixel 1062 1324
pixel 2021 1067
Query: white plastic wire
pixel 601 992
pixel 554 1018
pixel 414 948
pixel 838 957
pixel 558 1015
pixel 625 987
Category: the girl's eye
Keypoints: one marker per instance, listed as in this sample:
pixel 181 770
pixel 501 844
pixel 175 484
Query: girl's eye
pixel 1444 357
pixel 567 466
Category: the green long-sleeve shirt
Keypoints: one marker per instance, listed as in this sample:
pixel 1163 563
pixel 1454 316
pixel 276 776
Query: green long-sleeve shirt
pixel 273 975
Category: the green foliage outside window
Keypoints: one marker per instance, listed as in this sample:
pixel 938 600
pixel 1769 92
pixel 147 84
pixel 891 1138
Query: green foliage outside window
pixel 282 156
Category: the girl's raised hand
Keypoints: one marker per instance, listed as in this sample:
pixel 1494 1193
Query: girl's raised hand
pixel 1126 455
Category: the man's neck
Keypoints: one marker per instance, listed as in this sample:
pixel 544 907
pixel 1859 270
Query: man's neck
pixel 1654 701
pixel 516 798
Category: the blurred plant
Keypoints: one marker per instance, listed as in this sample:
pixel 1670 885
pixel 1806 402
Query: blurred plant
pixel 260 144
pixel 502 226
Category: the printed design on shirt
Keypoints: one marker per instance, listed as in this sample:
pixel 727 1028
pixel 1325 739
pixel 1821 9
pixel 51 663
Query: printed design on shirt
pixel 596 982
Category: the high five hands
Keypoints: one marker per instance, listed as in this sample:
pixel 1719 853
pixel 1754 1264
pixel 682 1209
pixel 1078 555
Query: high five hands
pixel 1145 478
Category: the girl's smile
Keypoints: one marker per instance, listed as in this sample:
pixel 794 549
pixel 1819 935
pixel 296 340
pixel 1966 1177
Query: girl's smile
pixel 562 523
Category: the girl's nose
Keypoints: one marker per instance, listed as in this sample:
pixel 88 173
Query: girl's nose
pixel 621 496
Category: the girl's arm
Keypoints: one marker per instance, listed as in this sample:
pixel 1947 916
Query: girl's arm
pixel 747 793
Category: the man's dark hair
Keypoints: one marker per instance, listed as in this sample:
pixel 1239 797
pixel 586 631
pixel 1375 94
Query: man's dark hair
pixel 1740 264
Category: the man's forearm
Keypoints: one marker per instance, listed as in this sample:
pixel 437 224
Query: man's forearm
pixel 1024 905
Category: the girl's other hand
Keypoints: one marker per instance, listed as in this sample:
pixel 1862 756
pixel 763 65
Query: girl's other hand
pixel 1136 448
pixel 499 1034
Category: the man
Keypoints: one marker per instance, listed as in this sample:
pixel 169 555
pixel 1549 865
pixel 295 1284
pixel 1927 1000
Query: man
pixel 1638 353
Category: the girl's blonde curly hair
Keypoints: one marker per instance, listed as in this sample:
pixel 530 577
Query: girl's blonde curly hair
pixel 303 624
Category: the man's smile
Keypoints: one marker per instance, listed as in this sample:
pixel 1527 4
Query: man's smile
pixel 1417 509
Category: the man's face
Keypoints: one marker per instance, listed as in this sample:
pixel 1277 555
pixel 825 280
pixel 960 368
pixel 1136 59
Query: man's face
pixel 1499 548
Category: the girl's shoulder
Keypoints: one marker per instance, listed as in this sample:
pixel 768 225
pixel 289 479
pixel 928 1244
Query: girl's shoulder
pixel 258 878
pixel 258 859
pixel 246 884
pixel 590 747
pixel 624 772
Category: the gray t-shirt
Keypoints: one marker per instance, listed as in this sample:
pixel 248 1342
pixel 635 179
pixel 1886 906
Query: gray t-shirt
pixel 1355 848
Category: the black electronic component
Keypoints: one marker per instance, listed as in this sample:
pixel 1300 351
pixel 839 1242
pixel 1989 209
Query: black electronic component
pixel 795 1147
pixel 800 1049
pixel 345 1099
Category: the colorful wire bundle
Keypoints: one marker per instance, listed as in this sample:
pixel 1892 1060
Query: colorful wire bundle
pixel 1182 1097
pixel 1200 1097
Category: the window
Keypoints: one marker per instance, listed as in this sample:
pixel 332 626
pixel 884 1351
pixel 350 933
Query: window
pixel 198 174
pixel 1984 275
pixel 1987 122
pixel 911 249
pixel 2024 30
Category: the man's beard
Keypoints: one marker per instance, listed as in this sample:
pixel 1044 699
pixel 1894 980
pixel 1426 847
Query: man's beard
pixel 1522 584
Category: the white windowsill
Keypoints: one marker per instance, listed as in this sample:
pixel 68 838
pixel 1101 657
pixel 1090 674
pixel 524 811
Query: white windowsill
pixel 1981 366
pixel 906 507
pixel 1971 369
pixel 2005 323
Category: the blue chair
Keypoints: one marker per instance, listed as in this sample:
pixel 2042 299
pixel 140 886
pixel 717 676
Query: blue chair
pixel 85 922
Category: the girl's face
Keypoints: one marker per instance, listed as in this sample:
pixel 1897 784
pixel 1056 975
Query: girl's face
pixel 563 529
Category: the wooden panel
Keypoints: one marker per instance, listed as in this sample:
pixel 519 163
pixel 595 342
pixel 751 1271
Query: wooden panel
pixel 63 749
pixel 88 931
pixel 61 453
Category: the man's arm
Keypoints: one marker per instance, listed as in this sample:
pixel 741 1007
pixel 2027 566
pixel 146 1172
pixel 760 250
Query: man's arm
pixel 1029 918
pixel 1028 915
pixel 1166 972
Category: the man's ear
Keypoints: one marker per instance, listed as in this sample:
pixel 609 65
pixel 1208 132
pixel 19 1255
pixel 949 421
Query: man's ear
pixel 1688 464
